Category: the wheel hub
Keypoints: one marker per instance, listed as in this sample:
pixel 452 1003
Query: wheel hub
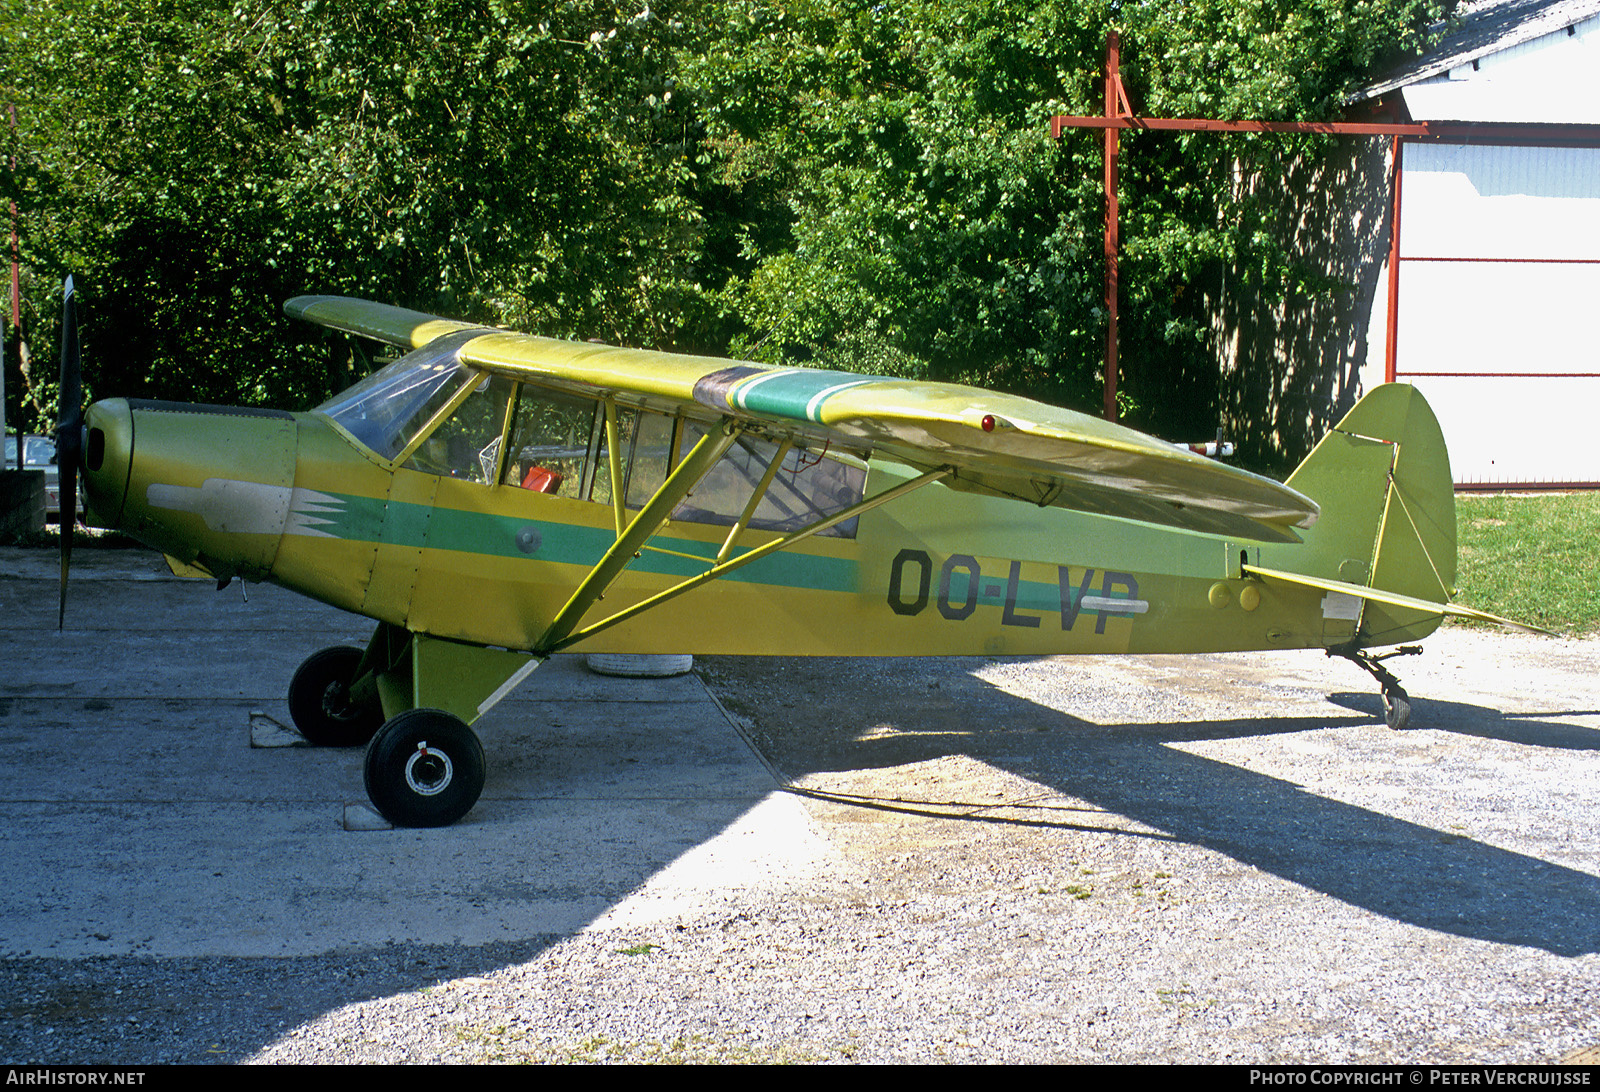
pixel 336 702
pixel 428 773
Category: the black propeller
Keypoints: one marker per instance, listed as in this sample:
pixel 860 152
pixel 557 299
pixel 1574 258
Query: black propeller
pixel 69 434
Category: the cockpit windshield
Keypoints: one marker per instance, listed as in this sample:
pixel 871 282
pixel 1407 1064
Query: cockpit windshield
pixel 385 410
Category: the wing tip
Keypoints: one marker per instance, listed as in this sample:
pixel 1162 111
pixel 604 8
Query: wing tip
pixel 399 326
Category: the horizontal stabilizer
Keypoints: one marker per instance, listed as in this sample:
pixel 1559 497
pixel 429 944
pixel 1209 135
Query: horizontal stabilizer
pixel 1393 599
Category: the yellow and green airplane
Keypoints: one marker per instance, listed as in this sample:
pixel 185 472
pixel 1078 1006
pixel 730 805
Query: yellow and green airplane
pixel 492 498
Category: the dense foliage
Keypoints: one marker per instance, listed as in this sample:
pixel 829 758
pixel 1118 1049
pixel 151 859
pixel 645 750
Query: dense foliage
pixel 863 187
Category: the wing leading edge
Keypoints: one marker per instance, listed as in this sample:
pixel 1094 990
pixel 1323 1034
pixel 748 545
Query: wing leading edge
pixel 998 444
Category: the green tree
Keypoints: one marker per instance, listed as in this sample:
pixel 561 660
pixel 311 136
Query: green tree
pixel 862 187
pixel 1188 219
pixel 903 209
pixel 907 215
pixel 199 162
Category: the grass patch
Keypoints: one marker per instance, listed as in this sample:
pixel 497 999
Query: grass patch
pixel 1532 558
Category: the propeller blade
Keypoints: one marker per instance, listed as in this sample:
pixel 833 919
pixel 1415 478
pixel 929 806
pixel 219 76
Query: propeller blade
pixel 69 434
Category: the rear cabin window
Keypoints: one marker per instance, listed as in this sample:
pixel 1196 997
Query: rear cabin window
pixel 808 486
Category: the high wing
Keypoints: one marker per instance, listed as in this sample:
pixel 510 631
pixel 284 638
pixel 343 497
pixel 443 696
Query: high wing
pixel 995 444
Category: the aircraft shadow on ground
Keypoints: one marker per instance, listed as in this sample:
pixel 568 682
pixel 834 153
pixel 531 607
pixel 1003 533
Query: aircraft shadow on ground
pixel 222 1010
pixel 188 1007
pixel 1408 872
pixel 1525 729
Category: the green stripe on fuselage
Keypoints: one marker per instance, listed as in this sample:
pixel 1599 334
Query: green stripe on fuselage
pixel 993 590
pixel 363 519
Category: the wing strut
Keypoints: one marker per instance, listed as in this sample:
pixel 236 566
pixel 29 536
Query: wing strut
pixel 614 458
pixel 560 635
pixel 651 518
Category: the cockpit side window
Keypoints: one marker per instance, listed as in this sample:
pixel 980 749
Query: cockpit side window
pixel 558 446
pixel 653 455
pixel 451 419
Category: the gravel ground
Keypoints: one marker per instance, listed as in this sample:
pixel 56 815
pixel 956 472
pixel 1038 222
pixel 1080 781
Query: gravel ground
pixel 1158 859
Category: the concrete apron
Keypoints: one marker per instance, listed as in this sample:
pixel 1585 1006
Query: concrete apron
pixel 141 820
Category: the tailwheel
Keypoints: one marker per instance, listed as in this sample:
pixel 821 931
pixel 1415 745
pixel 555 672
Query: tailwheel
pixel 1396 708
pixel 424 768
pixel 321 704
pixel 1396 702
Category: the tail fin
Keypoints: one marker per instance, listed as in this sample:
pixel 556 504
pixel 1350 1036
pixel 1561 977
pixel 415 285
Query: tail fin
pixel 1382 478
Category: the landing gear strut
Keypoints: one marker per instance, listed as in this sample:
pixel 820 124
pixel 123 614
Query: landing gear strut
pixel 1396 702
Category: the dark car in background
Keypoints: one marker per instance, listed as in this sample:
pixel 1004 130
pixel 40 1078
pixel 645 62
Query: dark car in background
pixel 39 453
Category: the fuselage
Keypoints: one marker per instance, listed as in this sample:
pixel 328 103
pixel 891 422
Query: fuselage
pixel 298 499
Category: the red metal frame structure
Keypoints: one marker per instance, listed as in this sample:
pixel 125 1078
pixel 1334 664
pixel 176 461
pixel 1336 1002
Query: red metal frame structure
pixel 16 307
pixel 16 282
pixel 1119 115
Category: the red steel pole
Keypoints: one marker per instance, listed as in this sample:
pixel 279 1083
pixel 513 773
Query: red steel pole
pixel 1112 134
pixel 1391 336
pixel 1119 115
pixel 16 284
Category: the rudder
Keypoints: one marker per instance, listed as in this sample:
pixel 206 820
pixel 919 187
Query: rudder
pixel 1382 479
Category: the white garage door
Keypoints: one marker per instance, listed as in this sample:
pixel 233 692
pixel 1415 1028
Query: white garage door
pixel 1500 305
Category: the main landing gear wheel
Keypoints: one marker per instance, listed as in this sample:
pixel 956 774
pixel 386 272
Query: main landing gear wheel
pixel 320 705
pixel 424 769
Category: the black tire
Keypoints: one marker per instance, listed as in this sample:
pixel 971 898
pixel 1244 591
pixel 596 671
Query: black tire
pixel 319 700
pixel 1396 708
pixel 424 769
